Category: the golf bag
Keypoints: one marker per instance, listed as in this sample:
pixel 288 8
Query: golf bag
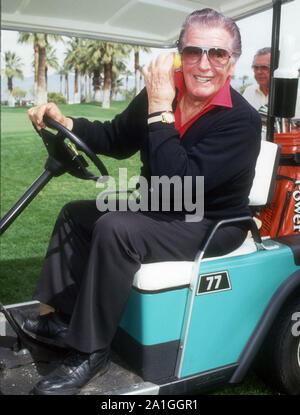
pixel 282 216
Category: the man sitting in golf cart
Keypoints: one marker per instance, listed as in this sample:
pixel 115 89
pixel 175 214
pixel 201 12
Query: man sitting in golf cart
pixel 185 123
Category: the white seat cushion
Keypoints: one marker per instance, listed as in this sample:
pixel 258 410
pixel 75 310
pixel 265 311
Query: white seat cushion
pixel 171 274
pixel 166 275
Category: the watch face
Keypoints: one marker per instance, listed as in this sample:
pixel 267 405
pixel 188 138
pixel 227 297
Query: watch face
pixel 167 117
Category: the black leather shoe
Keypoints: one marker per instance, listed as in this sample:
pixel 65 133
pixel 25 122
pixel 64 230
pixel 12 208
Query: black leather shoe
pixel 75 372
pixel 48 328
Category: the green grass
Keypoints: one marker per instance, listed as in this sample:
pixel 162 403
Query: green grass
pixel 24 244
pixel 23 156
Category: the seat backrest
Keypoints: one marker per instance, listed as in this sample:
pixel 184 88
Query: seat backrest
pixel 265 174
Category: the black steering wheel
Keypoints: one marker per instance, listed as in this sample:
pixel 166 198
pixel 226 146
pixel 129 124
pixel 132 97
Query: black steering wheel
pixel 64 157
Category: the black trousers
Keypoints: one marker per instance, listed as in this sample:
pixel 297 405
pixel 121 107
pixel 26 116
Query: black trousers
pixel 92 258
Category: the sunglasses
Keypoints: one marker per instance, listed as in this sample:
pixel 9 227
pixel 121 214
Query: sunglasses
pixel 217 56
pixel 261 67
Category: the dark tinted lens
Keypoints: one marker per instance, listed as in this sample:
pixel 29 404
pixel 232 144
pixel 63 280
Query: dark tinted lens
pixel 191 54
pixel 218 56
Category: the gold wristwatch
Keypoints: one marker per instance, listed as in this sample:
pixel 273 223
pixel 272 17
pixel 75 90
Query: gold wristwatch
pixel 166 117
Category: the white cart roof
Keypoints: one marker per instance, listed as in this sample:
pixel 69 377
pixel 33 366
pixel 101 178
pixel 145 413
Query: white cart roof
pixel 145 22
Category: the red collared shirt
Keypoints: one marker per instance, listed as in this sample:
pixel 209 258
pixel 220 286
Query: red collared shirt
pixel 222 98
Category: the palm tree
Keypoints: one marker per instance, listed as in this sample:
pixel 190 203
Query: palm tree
pixel 41 93
pixel 97 84
pixel 75 56
pixel 113 52
pixel 116 82
pixel 40 42
pixel 107 58
pixel 67 95
pixel 26 37
pixel 137 67
pixel 51 61
pixel 116 88
pixel 61 73
pixel 94 58
pixel 84 69
pixel 103 58
pixel 64 72
pixel 12 70
pixel 127 73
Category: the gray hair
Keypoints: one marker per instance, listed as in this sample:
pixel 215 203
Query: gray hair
pixel 211 18
pixel 262 51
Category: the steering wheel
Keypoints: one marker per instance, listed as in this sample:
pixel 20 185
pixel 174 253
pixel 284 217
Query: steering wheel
pixel 64 157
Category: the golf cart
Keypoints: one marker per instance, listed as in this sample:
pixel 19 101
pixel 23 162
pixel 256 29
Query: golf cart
pixel 188 327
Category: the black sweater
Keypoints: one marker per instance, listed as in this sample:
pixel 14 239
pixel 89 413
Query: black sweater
pixel 222 145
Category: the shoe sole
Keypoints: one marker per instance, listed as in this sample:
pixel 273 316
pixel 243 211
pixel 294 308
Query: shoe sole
pixel 37 337
pixel 47 340
pixel 73 391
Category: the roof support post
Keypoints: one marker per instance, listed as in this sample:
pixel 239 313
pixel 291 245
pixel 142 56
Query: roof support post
pixel 274 65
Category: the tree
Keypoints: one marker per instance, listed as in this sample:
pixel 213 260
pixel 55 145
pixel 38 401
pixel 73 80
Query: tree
pixel 40 42
pixel 41 93
pixel 26 37
pixel 84 71
pixel 64 72
pixel 116 82
pixel 127 73
pixel 113 52
pixel 106 58
pixel 67 95
pixel 137 68
pixel 12 70
pixel 94 58
pixel 90 75
pixel 51 61
pixel 76 59
pixel 61 73
pixel 57 98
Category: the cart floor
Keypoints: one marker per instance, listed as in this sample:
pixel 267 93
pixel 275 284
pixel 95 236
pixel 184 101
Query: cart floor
pixel 21 369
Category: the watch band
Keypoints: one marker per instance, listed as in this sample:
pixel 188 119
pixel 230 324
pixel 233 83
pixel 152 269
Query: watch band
pixel 153 114
pixel 166 117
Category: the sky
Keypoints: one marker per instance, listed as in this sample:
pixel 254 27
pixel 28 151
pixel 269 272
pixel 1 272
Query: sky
pixel 255 31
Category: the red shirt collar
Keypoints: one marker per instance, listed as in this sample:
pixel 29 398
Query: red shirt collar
pixel 222 99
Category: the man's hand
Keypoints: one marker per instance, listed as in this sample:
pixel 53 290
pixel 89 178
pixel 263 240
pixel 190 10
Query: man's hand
pixel 36 115
pixel 160 85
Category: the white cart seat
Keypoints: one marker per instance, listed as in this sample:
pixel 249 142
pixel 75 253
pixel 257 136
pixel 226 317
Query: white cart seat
pixel 159 276
pixel 171 274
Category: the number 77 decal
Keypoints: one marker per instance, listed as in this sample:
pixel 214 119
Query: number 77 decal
pixel 209 283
